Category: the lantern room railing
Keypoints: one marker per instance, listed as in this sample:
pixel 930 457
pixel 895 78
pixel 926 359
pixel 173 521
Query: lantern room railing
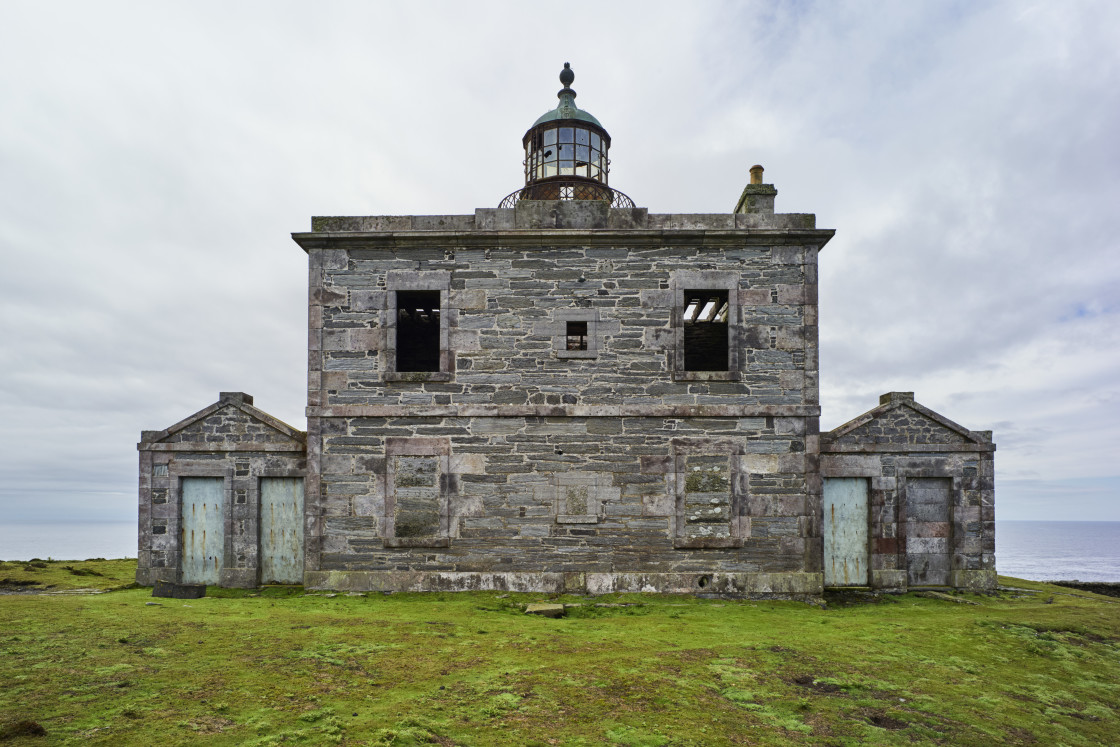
pixel 556 189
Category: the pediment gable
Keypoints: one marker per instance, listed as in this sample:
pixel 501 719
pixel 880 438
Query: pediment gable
pixel 900 421
pixel 230 423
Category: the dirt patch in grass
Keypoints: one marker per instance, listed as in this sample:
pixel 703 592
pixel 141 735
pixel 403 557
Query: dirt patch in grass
pixel 24 728
pixel 810 683
pixel 883 721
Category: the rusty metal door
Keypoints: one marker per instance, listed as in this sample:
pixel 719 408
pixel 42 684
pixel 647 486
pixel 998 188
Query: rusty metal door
pixel 281 530
pixel 845 531
pixel 203 529
pixel 927 530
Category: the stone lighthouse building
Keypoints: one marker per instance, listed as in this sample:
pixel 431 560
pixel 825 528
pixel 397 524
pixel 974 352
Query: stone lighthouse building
pixel 567 393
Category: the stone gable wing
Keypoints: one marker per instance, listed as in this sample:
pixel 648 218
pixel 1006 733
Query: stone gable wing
pixel 903 426
pixel 230 425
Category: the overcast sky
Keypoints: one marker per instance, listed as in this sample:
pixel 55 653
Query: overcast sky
pixel 155 157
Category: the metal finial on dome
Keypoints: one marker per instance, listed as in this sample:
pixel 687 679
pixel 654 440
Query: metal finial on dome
pixel 566 77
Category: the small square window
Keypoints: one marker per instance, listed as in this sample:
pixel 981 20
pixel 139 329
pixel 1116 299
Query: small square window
pixel 576 336
pixel 575 333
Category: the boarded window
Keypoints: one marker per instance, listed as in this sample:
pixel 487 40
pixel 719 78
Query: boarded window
pixel 418 328
pixel 704 317
pixel 707 497
pixel 417 504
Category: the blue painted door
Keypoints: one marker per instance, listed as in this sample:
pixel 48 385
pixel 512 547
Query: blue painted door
pixel 203 529
pixel 281 530
pixel 845 531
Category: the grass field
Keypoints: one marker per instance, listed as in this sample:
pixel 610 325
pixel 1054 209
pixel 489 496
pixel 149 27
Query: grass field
pixel 280 667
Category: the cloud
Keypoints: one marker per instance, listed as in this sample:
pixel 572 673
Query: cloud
pixel 154 159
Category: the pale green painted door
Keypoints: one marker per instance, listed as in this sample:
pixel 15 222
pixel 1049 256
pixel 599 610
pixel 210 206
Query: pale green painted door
pixel 845 531
pixel 281 530
pixel 203 533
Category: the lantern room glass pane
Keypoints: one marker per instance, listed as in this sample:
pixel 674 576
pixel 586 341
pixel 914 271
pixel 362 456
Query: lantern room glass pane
pixel 566 134
pixel 550 137
pixel 582 153
pixel 581 136
pixel 595 140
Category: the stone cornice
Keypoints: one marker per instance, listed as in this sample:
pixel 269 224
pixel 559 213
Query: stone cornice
pixel 563 411
pixel 202 446
pixel 551 239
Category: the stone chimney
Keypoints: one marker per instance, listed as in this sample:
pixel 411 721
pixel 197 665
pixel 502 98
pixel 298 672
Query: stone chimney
pixel 891 398
pixel 757 197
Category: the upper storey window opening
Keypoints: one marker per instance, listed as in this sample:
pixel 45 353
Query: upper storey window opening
pixel 705 314
pixel 418 330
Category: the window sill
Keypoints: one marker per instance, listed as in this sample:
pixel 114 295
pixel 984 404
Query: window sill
pixel 416 376
pixel 706 376
pixel 699 543
pixel 583 354
pixel 577 519
pixel 405 542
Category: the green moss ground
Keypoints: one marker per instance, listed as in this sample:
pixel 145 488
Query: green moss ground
pixel 281 667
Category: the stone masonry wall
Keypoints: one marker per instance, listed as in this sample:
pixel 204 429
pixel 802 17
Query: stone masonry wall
pixel 575 495
pixel 560 470
pixel 506 308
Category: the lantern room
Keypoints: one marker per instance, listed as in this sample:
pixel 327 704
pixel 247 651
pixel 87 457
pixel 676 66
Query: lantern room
pixel 566 155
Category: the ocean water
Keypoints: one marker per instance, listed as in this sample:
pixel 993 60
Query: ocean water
pixel 1036 550
pixel 1059 550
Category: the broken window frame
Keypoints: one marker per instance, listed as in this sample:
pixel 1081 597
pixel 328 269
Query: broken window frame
pixel 704 319
pixel 700 281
